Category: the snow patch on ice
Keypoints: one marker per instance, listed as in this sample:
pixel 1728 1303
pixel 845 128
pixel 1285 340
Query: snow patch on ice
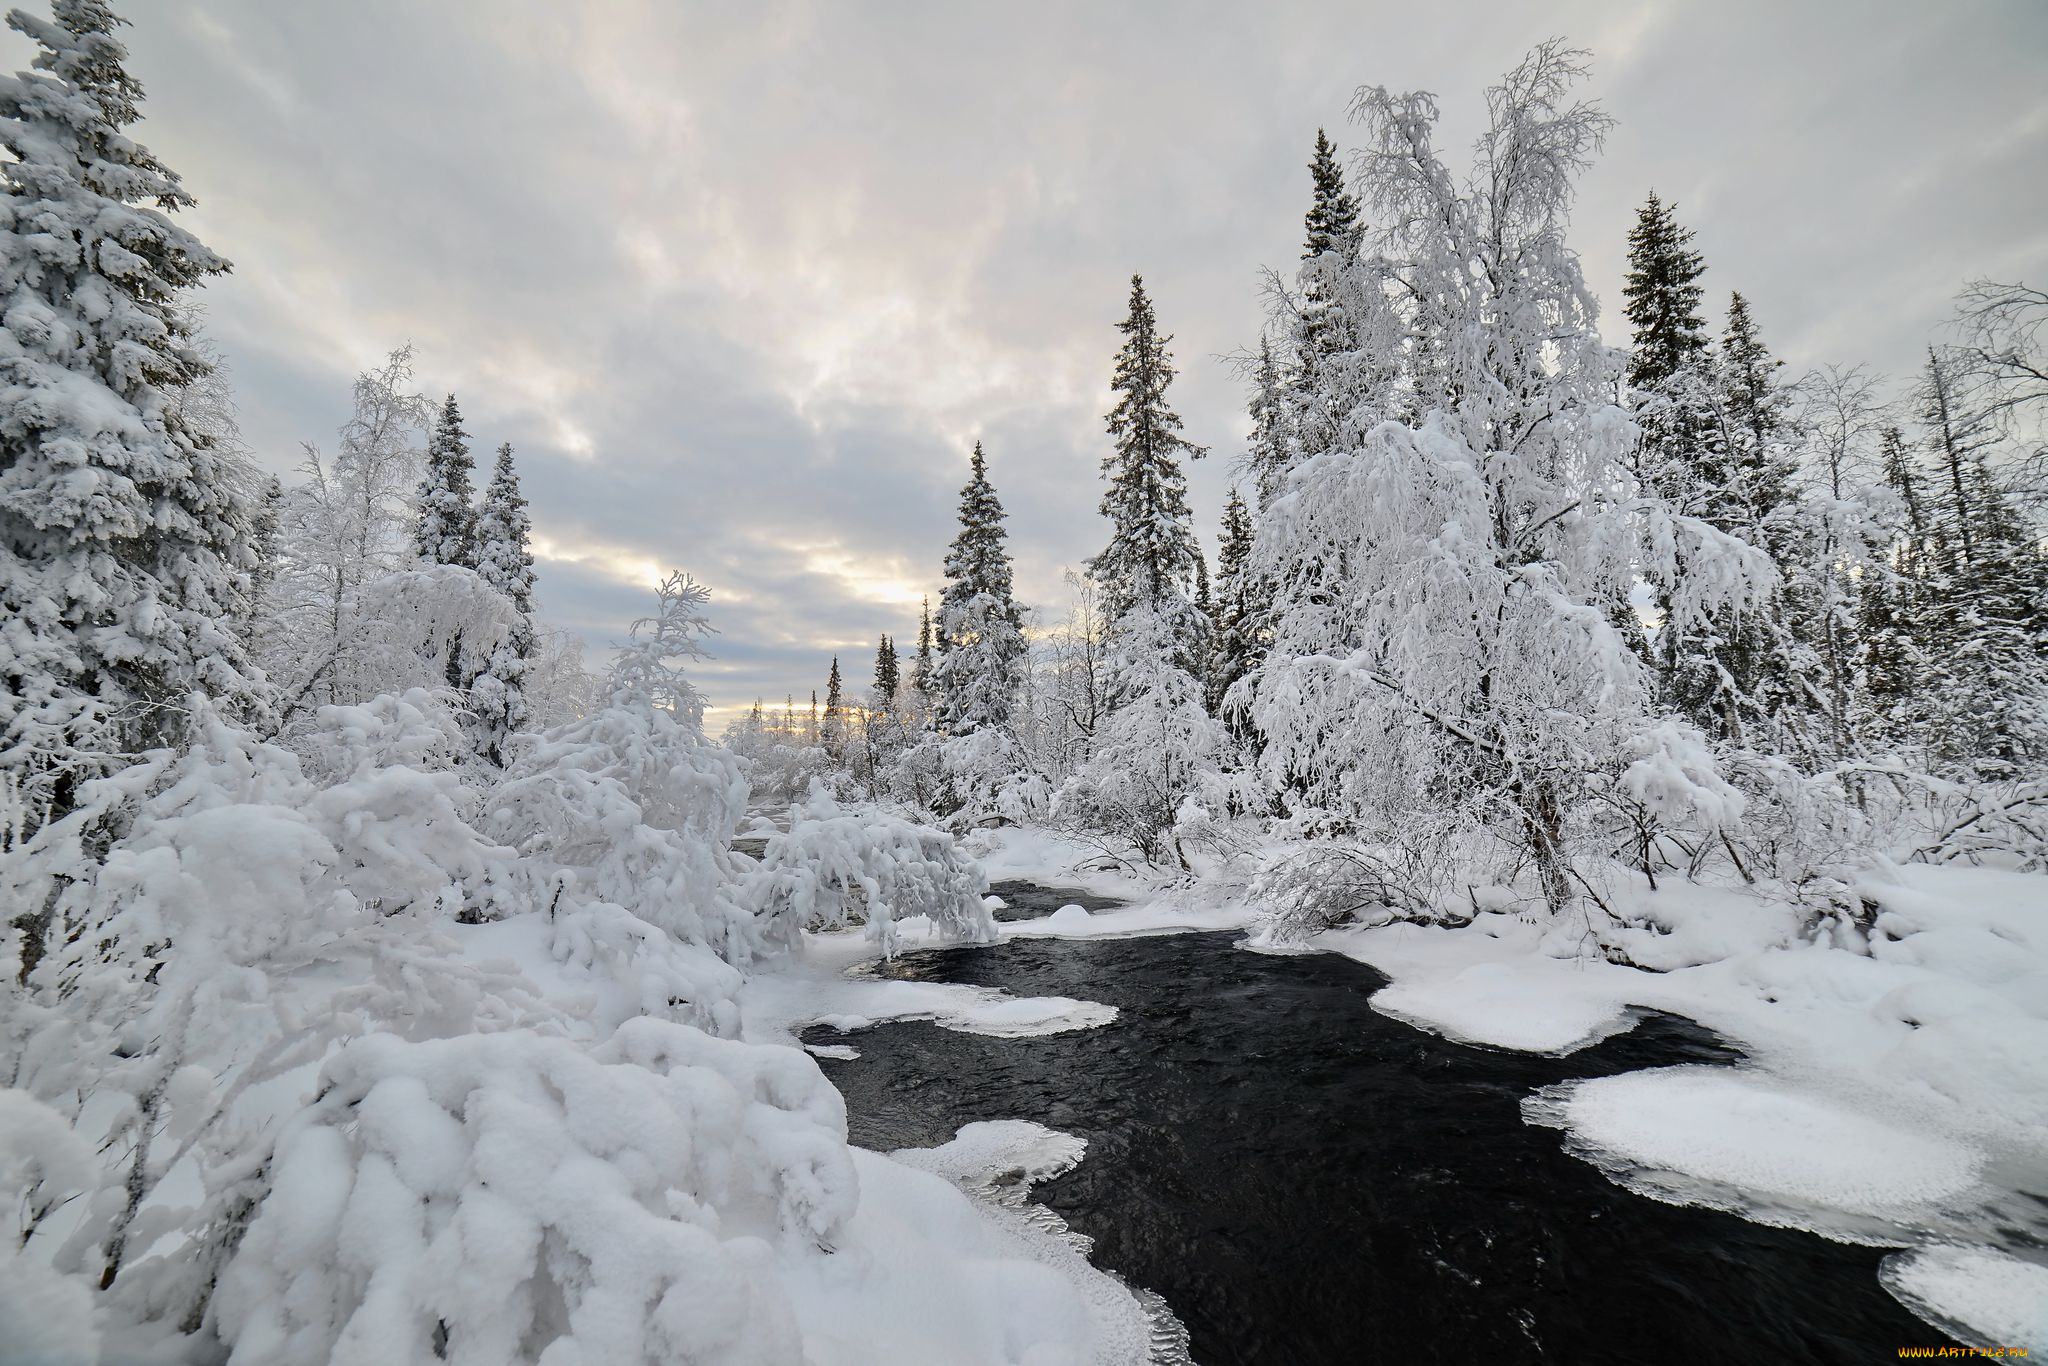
pixel 834 985
pixel 1124 922
pixel 1743 1141
pixel 1982 1296
pixel 1531 1006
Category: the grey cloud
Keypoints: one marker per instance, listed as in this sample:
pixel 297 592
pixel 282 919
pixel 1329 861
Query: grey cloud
pixel 740 279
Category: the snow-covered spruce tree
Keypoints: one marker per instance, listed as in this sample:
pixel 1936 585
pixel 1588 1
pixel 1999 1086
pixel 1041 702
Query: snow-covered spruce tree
pixel 983 772
pixel 446 529
pixel 1157 743
pixel 1152 552
pixel 1770 650
pixel 1326 334
pixel 1759 414
pixel 497 696
pixel 923 678
pixel 1234 639
pixel 122 528
pixel 979 621
pixel 1445 655
pixel 1268 455
pixel 1684 454
pixel 877 730
pixel 832 729
pixel 259 601
pixel 888 675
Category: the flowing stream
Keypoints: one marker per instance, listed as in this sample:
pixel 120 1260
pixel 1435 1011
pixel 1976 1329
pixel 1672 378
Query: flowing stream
pixel 1306 1181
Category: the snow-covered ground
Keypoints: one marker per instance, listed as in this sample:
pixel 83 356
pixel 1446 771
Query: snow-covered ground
pixel 922 1273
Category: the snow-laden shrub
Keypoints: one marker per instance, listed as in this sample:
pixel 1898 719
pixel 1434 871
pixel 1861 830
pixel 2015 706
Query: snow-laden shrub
pixel 623 821
pixel 383 772
pixel 642 811
pixel 43 1164
pixel 397 628
pixel 1304 890
pixel 514 1197
pixel 835 867
pixel 780 763
pixel 1154 750
pixel 917 776
pixel 990 780
pixel 2003 822
pixel 235 922
pixel 981 777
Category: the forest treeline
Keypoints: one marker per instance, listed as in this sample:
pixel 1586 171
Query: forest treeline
pixel 1496 603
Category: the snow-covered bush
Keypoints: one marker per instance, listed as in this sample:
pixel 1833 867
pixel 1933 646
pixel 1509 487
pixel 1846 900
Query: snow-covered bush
pixel 397 631
pixel 44 1164
pixel 835 867
pixel 1305 889
pixel 1157 748
pixel 514 1197
pixel 627 815
pixel 245 919
pixel 782 760
pixel 989 779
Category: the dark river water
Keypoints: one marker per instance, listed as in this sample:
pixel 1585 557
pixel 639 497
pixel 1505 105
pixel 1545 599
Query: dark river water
pixel 1307 1181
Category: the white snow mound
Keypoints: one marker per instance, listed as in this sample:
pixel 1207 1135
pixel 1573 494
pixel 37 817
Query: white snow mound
pixel 1986 1298
pixel 1742 1130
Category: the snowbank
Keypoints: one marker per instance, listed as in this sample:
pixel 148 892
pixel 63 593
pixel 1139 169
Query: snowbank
pixel 993 1279
pixel 1035 854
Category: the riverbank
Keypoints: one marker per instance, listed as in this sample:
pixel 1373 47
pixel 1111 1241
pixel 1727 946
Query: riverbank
pixel 1894 1090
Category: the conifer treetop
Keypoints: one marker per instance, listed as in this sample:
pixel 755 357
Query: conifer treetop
pixel 1332 221
pixel 1152 553
pixel 1662 293
pixel 978 562
pixel 503 533
pixel 447 528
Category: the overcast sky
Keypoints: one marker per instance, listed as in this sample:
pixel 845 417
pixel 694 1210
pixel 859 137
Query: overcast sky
pixel 742 282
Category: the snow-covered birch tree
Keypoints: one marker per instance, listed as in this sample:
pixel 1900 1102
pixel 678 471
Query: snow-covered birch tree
pixel 1444 644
